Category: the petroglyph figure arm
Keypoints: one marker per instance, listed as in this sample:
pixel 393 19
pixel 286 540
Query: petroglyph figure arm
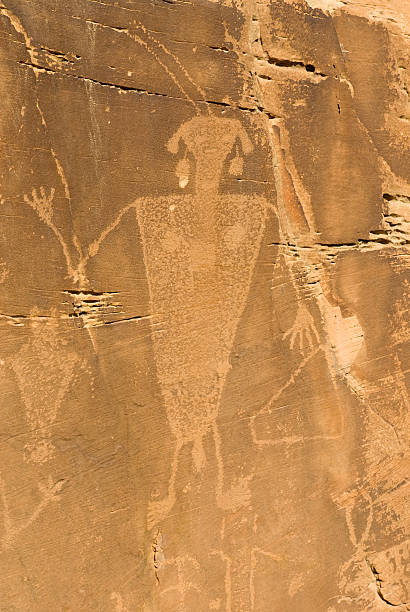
pixel 294 230
pixel 41 202
pixel 11 528
pixel 94 247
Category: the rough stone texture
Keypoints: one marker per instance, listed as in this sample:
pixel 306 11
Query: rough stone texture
pixel 204 255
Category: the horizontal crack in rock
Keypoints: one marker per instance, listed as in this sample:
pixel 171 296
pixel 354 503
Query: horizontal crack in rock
pixel 138 90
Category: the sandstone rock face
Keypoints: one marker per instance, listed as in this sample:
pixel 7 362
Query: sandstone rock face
pixel 204 289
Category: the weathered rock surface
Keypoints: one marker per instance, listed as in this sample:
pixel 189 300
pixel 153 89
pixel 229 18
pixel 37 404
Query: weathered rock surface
pixel 204 298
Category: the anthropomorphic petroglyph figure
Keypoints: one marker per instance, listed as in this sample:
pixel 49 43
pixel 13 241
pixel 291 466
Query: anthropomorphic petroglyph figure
pixel 44 370
pixel 200 252
pixel 376 515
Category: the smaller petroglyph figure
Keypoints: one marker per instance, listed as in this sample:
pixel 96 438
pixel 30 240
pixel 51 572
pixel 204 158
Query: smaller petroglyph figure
pixel 184 565
pixel 356 581
pixel 12 528
pixel 372 579
pixel 44 370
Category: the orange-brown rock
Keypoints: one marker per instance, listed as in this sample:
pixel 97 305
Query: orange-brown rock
pixel 204 305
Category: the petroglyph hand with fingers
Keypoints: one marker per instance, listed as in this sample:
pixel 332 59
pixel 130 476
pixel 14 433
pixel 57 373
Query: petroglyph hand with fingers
pixel 303 333
pixel 42 202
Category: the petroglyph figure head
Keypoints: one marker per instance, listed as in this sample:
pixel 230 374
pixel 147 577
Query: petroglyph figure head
pixel 210 140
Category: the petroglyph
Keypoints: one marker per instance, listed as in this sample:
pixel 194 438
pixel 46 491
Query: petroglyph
pixel 248 591
pixel 118 602
pixel 44 369
pixel 255 553
pixel 12 527
pixel 372 577
pixel 4 271
pixel 227 579
pixel 197 250
pixel 228 165
pixel 185 566
pixel 212 241
pixel 41 201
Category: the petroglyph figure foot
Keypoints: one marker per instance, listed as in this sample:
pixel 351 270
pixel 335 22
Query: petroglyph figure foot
pixel 237 496
pixel 158 511
pixel 343 604
pixel 198 454
pixel 303 333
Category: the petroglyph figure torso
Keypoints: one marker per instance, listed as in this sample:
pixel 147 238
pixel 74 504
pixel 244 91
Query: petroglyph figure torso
pixel 198 288
pixel 44 371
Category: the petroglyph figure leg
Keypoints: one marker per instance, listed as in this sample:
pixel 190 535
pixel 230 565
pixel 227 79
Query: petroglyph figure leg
pixel 158 510
pixel 118 602
pixel 227 579
pixel 255 553
pixel 4 271
pixel 239 494
pixel 185 567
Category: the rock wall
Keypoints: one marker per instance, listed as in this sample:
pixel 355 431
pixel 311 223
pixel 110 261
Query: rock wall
pixel 204 289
